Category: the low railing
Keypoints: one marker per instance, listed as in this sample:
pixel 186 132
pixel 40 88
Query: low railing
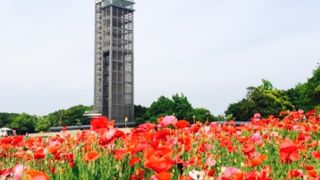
pixel 83 127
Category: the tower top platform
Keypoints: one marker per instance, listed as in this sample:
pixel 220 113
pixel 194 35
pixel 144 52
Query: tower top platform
pixel 127 4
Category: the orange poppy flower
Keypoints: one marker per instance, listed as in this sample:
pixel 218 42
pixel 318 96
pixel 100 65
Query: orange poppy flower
pixel 53 149
pixel 38 175
pixel 158 159
pixel 163 176
pixel 256 161
pixel 185 178
pixel 91 156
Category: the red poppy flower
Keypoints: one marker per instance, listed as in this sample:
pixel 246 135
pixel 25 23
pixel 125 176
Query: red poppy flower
pixel 161 152
pixel 308 167
pixel 288 151
pixel 316 154
pixel 185 142
pixel 134 160
pixel 119 153
pixel 135 146
pixel 39 154
pixel 109 136
pixel 264 174
pixel 195 127
pixel 159 165
pixel 6 172
pixel 312 173
pixel 69 157
pixel 251 175
pixel 6 140
pixel 16 140
pixel 146 126
pixel 182 124
pixel 295 173
pixel 248 149
pixel 100 122
pixel 158 159
pixel 312 112
pixel 138 175
pixel 211 172
pixel 161 134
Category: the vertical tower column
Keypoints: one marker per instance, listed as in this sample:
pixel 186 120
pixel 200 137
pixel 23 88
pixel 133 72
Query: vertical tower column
pixel 114 59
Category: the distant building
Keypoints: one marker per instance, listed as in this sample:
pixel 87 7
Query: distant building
pixel 114 59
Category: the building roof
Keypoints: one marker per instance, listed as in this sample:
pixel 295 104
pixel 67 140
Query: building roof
pixel 5 128
pixel 127 4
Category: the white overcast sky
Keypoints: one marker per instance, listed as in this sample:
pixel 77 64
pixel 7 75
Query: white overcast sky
pixel 210 50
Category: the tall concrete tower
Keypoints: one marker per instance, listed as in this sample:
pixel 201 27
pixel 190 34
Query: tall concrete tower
pixel 114 59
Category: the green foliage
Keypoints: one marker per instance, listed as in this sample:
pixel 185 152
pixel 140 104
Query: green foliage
pixel 203 115
pixel 6 119
pixel 23 123
pixel 306 96
pixel 263 99
pixel 139 111
pixel 140 114
pixel 162 105
pixel 181 106
pixel 43 123
pixel 178 105
pixel 26 123
pixel 241 110
pixel 267 85
pixel 74 115
pixel 64 117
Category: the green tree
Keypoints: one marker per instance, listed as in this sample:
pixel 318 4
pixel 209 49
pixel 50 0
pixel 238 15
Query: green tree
pixel 24 123
pixel 162 106
pixel 181 106
pixel 64 117
pixel 203 115
pixel 74 115
pixel 43 123
pixel 140 115
pixel 178 106
pixel 241 111
pixel 6 118
pixel 263 99
pixel 139 111
pixel 306 95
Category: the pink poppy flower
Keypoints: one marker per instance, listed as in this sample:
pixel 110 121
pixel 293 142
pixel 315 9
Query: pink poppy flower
pixel 169 120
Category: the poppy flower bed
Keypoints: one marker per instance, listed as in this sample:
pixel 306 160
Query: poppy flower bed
pixel 266 148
